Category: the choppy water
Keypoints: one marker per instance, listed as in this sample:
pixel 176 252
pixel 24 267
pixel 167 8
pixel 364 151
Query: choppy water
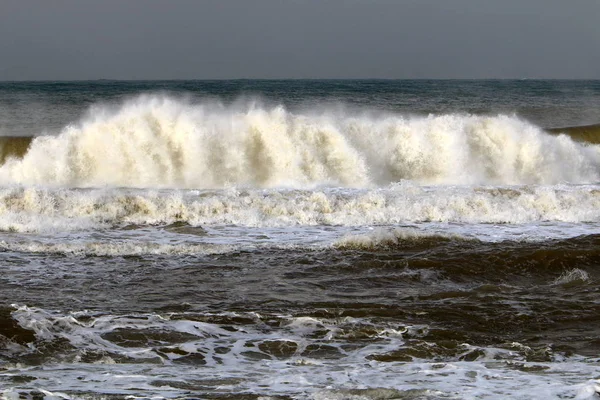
pixel 300 239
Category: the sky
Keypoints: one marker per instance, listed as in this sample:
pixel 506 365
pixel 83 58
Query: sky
pixel 273 39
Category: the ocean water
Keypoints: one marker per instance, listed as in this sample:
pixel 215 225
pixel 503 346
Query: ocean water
pixel 300 240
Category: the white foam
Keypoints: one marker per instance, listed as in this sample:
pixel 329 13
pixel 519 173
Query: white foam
pixel 62 210
pixel 156 141
pixel 115 248
pixel 500 373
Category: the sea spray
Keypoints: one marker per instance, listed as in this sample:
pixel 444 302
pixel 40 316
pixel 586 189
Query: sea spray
pixel 163 142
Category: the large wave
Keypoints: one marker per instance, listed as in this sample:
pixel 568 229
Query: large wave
pixel 155 141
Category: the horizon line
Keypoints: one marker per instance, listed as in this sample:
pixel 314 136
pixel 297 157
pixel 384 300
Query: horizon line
pixel 285 79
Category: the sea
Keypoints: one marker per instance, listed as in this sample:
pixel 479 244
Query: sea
pixel 300 239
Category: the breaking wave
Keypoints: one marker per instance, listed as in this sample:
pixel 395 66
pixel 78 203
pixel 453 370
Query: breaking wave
pixel 154 141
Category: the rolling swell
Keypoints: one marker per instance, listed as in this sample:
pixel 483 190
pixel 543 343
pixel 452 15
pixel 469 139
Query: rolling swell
pixel 464 259
pixel 165 142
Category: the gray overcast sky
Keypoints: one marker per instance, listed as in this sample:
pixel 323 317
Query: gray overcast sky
pixel 179 39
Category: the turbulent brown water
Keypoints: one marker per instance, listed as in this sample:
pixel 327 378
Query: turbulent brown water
pixel 13 147
pixel 587 133
pixel 300 240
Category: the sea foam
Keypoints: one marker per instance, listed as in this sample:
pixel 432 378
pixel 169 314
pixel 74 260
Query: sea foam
pixel 57 210
pixel 160 142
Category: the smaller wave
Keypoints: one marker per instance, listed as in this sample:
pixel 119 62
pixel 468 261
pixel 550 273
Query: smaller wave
pixel 384 239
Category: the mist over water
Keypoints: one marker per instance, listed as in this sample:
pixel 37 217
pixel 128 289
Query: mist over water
pixel 299 240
